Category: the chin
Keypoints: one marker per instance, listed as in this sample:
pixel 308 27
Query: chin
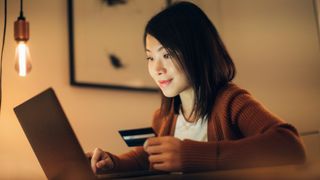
pixel 169 94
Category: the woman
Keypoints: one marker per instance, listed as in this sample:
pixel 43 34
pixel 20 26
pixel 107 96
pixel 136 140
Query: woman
pixel 205 121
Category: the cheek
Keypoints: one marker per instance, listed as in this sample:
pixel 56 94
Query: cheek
pixel 170 67
pixel 184 82
pixel 150 69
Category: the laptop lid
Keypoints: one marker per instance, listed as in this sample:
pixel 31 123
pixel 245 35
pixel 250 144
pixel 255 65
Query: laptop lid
pixel 52 138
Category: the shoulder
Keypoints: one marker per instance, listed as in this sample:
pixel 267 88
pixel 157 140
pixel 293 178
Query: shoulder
pixel 236 104
pixel 231 98
pixel 229 92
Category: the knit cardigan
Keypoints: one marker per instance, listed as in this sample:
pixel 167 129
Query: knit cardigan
pixel 241 134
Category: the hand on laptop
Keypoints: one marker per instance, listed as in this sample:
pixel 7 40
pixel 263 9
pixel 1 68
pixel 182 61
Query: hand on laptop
pixel 100 161
pixel 164 153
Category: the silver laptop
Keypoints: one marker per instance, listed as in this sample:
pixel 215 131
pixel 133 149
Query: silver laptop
pixel 54 142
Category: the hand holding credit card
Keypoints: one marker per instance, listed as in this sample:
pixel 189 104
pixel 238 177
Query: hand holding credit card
pixel 137 137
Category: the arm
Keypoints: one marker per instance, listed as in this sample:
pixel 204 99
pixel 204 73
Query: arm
pixel 266 140
pixel 136 159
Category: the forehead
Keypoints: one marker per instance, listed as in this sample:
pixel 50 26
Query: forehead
pixel 152 44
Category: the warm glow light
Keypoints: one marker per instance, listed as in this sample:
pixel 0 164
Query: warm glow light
pixel 23 60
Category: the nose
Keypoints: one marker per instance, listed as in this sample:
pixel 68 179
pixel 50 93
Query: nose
pixel 159 67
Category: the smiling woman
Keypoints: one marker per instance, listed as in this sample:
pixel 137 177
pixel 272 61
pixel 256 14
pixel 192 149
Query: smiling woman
pixel 205 121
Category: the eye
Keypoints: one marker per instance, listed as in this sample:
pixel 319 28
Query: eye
pixel 167 56
pixel 149 58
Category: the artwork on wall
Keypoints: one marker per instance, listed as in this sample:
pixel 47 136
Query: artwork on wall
pixel 316 4
pixel 106 43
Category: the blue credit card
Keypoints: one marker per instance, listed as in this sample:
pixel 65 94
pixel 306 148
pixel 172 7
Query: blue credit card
pixel 137 137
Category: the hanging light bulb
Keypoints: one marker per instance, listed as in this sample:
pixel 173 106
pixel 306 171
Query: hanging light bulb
pixel 21 35
pixel 23 63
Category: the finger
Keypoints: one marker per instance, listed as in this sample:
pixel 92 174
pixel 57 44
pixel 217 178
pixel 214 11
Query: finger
pixel 154 149
pixel 97 153
pixel 89 154
pixel 160 166
pixel 156 158
pixel 105 163
pixel 153 141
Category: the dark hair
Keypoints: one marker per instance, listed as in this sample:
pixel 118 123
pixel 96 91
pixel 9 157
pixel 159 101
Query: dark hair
pixel 190 37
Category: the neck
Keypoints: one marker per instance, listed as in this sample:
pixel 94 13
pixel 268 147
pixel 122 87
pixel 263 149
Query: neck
pixel 187 103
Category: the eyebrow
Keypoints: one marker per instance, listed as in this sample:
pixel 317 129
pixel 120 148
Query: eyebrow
pixel 159 49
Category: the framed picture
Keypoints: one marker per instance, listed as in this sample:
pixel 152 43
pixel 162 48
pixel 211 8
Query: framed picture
pixel 106 43
pixel 316 4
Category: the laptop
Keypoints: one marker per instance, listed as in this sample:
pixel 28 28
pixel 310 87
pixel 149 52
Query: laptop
pixel 55 143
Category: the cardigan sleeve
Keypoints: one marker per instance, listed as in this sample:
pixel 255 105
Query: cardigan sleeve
pixel 265 141
pixel 136 159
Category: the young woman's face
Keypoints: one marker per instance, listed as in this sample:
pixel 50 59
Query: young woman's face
pixel 164 70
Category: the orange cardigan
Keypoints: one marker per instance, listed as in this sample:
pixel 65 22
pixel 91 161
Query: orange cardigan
pixel 241 133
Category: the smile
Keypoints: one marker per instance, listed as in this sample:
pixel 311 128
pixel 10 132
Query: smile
pixel 164 83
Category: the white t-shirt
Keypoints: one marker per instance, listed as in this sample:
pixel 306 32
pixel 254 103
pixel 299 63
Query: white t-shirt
pixel 191 130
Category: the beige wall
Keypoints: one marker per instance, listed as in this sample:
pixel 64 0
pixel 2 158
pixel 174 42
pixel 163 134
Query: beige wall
pixel 275 49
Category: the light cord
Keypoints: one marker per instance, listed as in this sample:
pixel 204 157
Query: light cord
pixel 2 48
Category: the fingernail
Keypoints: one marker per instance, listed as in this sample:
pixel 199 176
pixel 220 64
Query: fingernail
pixel 145 145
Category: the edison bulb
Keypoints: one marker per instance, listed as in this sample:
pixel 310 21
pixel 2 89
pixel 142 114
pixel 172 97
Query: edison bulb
pixel 23 60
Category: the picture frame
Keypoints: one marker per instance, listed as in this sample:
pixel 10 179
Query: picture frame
pixel 106 43
pixel 316 4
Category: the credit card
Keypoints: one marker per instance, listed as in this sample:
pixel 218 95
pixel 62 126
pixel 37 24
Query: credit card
pixel 137 137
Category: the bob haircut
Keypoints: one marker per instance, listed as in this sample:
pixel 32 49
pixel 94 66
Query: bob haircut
pixel 191 39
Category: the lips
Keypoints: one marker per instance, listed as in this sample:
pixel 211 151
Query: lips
pixel 164 83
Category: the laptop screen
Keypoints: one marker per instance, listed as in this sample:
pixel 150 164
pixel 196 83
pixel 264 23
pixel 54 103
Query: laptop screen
pixel 52 138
